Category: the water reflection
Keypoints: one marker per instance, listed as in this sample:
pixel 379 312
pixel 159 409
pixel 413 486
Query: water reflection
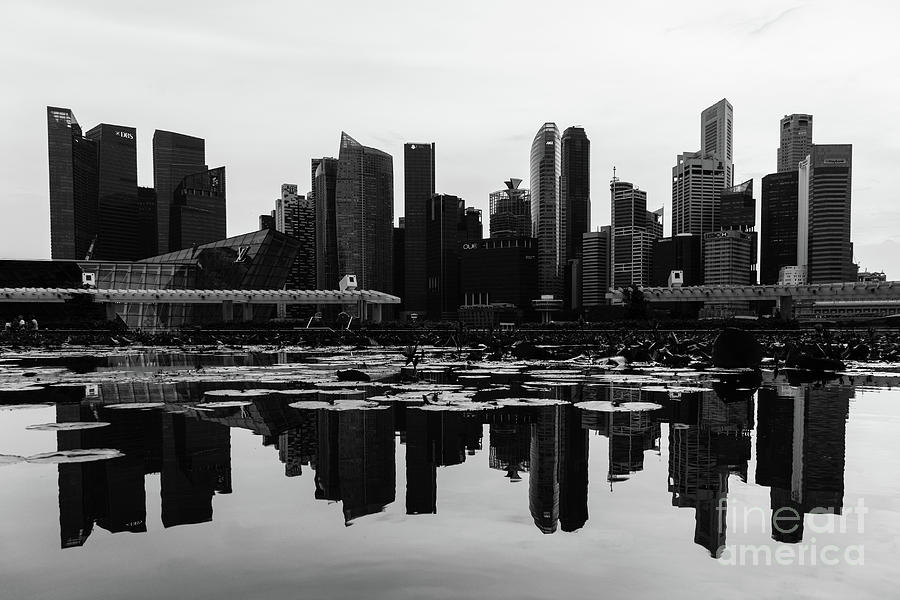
pixel 351 454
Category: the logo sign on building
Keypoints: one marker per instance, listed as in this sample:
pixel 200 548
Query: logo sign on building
pixel 835 161
pixel 125 134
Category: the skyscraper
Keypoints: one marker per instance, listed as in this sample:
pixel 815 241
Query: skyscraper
pixel 697 183
pixel 175 156
pixel 197 212
pixel 444 231
pixel 418 180
pixel 117 202
pixel 295 215
pixel 632 239
pixel 727 257
pixel 472 227
pixel 545 208
pixel 73 186
pixel 778 224
pixel 510 211
pixel 325 188
pixel 574 209
pixel 595 268
pixel 716 124
pixel 738 212
pixel 830 252
pixel 364 211
pixel 796 141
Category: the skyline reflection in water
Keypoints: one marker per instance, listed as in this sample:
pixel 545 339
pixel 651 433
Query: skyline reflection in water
pixel 626 476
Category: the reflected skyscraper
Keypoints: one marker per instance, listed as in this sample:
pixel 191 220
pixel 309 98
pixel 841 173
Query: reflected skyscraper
pixel 546 225
pixel 543 479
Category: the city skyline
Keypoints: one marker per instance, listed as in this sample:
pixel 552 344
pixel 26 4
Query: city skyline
pixel 246 131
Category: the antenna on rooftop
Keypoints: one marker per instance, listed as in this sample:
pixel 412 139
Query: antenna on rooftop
pixel 614 178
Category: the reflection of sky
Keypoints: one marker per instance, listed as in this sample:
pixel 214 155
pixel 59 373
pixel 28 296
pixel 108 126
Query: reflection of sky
pixel 271 538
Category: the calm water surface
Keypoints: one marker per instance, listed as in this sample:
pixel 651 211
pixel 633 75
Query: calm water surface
pixel 740 489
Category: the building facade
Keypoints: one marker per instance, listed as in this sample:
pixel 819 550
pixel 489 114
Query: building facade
pixel 716 136
pixel 830 252
pixel 595 269
pixel 325 189
pixel 727 257
pixel 444 232
pixel 499 271
pixel 510 211
pixel 632 235
pixel 574 191
pixel 682 252
pixel 737 211
pixel 778 224
pixel 364 215
pixel 545 167
pixel 418 181
pixel 796 141
pixel 697 183
pixel 197 213
pixel 295 215
pixel 175 156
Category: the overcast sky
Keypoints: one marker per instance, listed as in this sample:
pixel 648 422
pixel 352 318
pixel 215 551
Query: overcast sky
pixel 270 85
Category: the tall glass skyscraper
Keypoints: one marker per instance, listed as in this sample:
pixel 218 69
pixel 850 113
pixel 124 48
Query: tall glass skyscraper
pixel 325 188
pixel 716 136
pixel 73 186
pixel 175 156
pixel 510 211
pixel 778 224
pixel 364 215
pixel 418 189
pixel 546 159
pixel 575 190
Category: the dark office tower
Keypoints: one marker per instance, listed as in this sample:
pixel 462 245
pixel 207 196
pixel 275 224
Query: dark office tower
pixel 117 203
pixel 510 211
pixel 546 159
pixel 778 224
pixel 632 242
pixel 364 209
pixel 400 264
pixel 796 141
pixel 574 190
pixel 73 186
pixel 595 268
pixel 295 215
pixel 830 253
pixel 472 227
pixel 737 211
pixel 678 253
pixel 175 156
pixel 444 231
pixel 267 221
pixel 326 223
pixel 147 221
pixel 197 213
pixel 418 181
pixel 366 463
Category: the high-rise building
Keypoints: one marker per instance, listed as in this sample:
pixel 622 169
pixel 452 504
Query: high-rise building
pixel 444 231
pixel 175 156
pixel 73 186
pixel 500 270
pixel 146 221
pixel 595 269
pixel 197 212
pixel 267 221
pixel 632 240
pixel 778 224
pixel 295 215
pixel 830 252
pixel 574 209
pixel 418 180
pixel 400 263
pixel 680 252
pixel 796 141
pixel 545 170
pixel 325 188
pixel 117 203
pixel 697 183
pixel 738 212
pixel 364 215
pixel 510 211
pixel 472 227
pixel 716 128
pixel 727 257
